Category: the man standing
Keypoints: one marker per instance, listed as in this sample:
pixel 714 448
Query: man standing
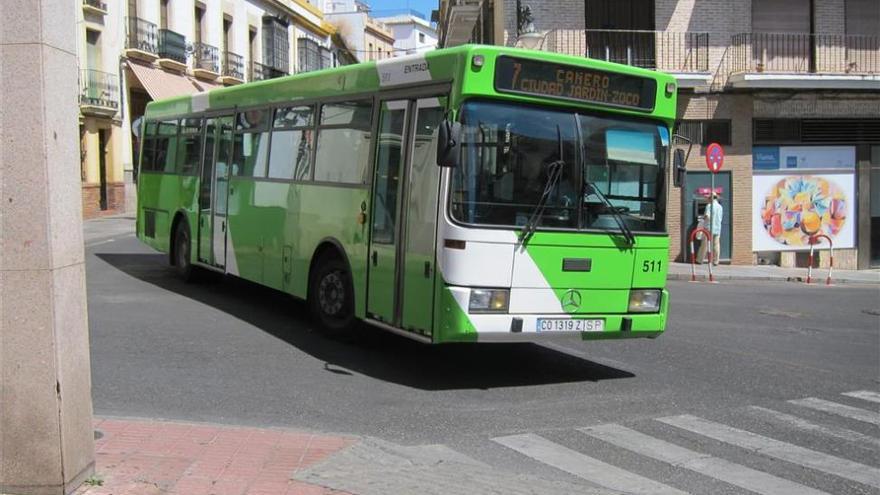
pixel 716 214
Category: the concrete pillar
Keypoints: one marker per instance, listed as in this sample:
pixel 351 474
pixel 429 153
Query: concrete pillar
pixel 46 438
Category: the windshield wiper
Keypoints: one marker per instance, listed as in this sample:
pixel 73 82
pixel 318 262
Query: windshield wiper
pixel 553 175
pixel 627 233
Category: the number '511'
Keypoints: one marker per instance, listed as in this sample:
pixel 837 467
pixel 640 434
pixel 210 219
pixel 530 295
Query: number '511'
pixel 651 266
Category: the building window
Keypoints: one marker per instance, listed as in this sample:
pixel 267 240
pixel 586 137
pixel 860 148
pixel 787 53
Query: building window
pixel 200 22
pixel 276 46
pixel 421 37
pixel 704 132
pixel 311 56
pixel 163 14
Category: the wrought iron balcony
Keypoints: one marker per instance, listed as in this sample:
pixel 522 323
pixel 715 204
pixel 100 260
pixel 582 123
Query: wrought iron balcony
pixel 172 45
pixel 803 53
pixel 99 89
pixel 260 72
pixel 142 35
pixel 96 5
pixel 206 57
pixel 233 65
pixel 661 50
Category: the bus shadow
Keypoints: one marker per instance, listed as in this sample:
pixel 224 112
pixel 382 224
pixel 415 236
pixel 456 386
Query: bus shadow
pixel 372 352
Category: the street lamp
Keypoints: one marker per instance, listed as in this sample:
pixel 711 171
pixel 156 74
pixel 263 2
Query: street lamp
pixel 527 36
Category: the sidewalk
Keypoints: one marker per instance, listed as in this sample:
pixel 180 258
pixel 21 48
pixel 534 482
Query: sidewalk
pixel 143 457
pixel 767 273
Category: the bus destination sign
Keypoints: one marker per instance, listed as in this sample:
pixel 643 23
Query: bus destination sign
pixel 532 77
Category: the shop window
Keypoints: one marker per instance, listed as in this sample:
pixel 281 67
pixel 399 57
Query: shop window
pixel 343 147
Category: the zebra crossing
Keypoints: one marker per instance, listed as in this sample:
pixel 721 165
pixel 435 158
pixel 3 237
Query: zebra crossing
pixel 863 473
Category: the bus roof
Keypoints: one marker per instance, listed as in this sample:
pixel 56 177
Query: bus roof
pixel 437 66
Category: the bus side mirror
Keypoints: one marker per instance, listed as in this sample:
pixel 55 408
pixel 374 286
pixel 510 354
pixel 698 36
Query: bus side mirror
pixel 678 167
pixel 449 144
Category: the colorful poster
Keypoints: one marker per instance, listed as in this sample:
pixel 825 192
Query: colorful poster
pixel 789 208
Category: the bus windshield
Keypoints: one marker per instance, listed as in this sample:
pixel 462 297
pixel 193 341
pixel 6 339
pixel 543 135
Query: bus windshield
pixel 507 152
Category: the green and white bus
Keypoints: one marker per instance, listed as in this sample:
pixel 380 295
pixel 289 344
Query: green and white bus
pixel 470 194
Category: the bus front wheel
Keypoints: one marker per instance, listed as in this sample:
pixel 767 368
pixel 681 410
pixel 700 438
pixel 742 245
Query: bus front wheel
pixel 331 295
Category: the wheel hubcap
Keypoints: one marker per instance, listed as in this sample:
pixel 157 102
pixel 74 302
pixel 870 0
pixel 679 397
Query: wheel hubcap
pixel 331 294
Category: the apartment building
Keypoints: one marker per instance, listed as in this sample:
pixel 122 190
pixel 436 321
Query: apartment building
pixel 141 50
pixel 790 88
pixel 412 32
pixel 367 37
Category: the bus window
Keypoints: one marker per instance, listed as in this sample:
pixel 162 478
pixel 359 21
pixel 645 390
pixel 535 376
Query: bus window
pixel 251 144
pixel 291 149
pixel 343 147
pixel 163 151
pixel 189 147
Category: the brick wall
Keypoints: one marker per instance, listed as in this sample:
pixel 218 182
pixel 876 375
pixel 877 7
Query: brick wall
pixel 548 15
pixel 771 105
pixel 91 198
pixel 738 160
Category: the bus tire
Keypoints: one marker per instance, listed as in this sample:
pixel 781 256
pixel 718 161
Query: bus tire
pixel 182 245
pixel 331 295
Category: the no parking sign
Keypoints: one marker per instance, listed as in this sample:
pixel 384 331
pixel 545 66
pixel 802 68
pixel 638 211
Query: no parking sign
pixel 714 157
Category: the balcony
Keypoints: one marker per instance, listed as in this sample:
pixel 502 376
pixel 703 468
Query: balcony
pixel 260 72
pixel 95 7
pixel 141 40
pixel 99 93
pixel 172 50
pixel 233 68
pixel 683 54
pixel 804 61
pixel 206 61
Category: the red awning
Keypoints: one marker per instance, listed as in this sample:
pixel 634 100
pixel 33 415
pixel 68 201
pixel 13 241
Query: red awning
pixel 161 84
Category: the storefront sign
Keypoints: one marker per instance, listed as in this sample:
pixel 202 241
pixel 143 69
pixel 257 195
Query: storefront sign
pixel 532 77
pixel 765 157
pixel 788 207
pixel 803 157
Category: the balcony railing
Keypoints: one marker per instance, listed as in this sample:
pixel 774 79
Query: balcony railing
pixel 206 57
pixel 142 35
pixel 172 45
pixel 260 72
pixel 233 65
pixel 805 53
pixel 661 50
pixel 96 4
pixel 99 89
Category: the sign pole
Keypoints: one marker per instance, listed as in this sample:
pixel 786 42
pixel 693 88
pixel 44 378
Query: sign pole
pixel 714 161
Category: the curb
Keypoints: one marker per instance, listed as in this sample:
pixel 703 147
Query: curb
pixel 751 278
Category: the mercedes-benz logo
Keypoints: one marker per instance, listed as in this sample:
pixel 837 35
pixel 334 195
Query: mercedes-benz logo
pixel 571 300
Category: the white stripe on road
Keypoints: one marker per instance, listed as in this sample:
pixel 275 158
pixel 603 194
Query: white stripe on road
pixel 583 466
pixel 705 464
pixel 865 395
pixel 839 409
pixel 774 448
pixel 802 424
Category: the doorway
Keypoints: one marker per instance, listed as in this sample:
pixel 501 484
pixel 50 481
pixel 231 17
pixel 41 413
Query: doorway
pixel 696 193
pixel 102 168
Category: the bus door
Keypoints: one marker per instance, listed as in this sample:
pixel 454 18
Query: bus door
pixel 213 189
pixel 404 214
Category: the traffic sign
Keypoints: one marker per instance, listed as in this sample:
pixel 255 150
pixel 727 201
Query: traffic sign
pixel 714 157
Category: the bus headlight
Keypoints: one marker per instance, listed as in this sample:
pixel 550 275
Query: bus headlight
pixel 489 301
pixel 644 301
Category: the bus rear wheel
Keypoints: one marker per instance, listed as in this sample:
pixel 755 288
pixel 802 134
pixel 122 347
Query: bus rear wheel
pixel 182 244
pixel 331 296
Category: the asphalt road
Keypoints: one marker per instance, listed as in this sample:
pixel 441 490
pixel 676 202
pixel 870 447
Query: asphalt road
pixel 230 352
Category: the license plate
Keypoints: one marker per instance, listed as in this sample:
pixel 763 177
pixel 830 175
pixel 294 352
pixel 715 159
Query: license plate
pixel 568 325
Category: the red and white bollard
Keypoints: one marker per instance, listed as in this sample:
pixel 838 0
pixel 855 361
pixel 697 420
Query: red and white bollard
pixel 813 241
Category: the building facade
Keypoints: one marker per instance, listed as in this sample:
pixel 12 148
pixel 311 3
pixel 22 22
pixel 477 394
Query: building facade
pixel 368 38
pixel 141 50
pixel 790 88
pixel 412 32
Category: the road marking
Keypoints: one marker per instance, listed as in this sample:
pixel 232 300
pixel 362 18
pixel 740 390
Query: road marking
pixel 774 448
pixel 583 466
pixel 105 241
pixel 838 409
pixel 865 395
pixel 802 424
pixel 705 464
